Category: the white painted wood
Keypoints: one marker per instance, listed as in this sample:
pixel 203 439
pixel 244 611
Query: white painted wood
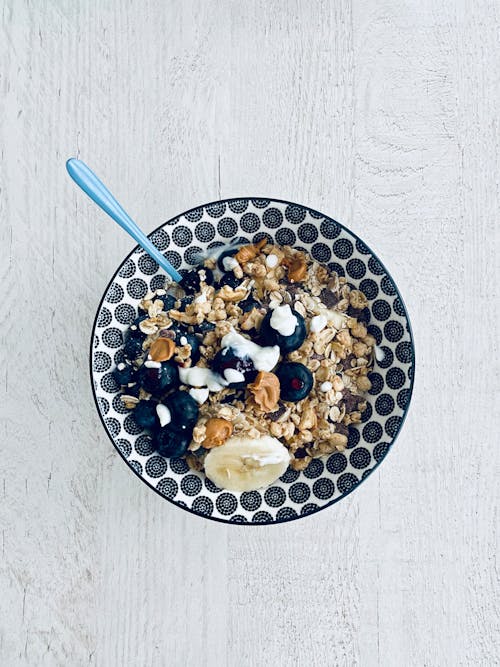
pixel 385 115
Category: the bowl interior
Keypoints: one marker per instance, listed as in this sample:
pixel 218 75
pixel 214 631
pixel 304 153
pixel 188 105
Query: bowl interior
pixel 327 479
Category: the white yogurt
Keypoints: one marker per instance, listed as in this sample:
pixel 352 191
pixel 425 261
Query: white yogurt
pixel 272 261
pixel 263 358
pixel 379 353
pixel 163 414
pixel 283 320
pixel 201 377
pixel 318 323
pixel 199 395
pixel 326 386
pixel 152 364
pixel 232 375
pixel 229 263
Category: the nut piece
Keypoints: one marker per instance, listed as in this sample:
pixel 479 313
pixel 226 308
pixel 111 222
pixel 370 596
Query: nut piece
pixel 308 420
pixel 217 431
pixel 248 252
pixel 129 401
pixel 297 268
pixel 251 320
pixel 148 326
pixel 357 299
pixel 358 329
pixel 227 293
pixel 199 433
pixel 265 391
pixel 162 349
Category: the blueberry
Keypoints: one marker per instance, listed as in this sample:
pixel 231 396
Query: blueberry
pixel 296 381
pixel 179 330
pixel 124 376
pixel 249 304
pixel 191 280
pixel 133 390
pixel 229 279
pixel 183 337
pixel 192 340
pixel 226 359
pixel 168 300
pixel 204 327
pixel 227 253
pixel 209 276
pixel 145 414
pixel 133 331
pixel 171 443
pixel 132 348
pixel 157 381
pixel 185 301
pixel 270 336
pixel 183 410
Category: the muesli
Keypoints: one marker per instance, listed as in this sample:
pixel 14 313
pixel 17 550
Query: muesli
pixel 261 362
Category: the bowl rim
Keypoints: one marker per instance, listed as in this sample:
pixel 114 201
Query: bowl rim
pixel 394 438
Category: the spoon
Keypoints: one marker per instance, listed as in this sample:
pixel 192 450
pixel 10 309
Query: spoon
pixel 99 193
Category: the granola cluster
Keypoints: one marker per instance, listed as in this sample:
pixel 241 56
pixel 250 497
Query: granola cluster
pixel 337 350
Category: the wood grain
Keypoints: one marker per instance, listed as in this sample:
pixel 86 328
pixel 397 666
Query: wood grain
pixel 385 115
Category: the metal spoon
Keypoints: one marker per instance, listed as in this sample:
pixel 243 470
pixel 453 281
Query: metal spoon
pixel 99 193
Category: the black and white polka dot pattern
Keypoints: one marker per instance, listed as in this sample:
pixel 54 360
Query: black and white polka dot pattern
pixel 204 232
pixel 227 228
pixel 147 265
pixel 250 222
pixel 102 361
pixel 125 313
pixel 325 480
pixel 144 445
pixel 238 205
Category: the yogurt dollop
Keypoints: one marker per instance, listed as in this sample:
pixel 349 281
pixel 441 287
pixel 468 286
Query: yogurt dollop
pixel 199 395
pixel 263 358
pixel 152 364
pixel 232 375
pixel 201 377
pixel 283 320
pixel 272 261
pixel 229 263
pixel 163 414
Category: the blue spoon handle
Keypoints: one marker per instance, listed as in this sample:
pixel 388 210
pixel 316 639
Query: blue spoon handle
pixel 99 193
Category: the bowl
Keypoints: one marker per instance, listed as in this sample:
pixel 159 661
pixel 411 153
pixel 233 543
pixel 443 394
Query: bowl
pixel 326 480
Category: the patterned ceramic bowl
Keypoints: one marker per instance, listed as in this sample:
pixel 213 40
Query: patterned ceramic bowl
pixel 326 480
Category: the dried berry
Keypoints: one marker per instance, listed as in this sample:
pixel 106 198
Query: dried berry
pixel 328 298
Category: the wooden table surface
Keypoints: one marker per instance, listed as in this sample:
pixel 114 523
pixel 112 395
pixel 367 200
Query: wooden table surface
pixel 383 114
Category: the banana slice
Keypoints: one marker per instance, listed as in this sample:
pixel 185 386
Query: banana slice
pixel 246 464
